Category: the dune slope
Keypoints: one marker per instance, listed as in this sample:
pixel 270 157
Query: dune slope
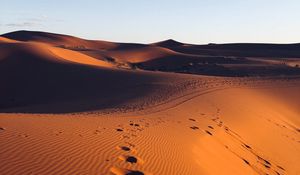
pixel 35 74
pixel 255 132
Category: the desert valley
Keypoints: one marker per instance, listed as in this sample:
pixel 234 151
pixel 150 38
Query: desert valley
pixel 89 107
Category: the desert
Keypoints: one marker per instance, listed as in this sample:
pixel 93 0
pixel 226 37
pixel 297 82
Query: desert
pixel 75 106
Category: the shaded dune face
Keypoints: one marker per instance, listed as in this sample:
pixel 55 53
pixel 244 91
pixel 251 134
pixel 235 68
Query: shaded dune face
pixel 136 55
pixel 34 75
pixel 169 43
pixel 238 49
pixel 234 60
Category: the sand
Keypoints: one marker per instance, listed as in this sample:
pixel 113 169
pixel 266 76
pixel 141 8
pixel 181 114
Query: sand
pixel 68 110
pixel 231 131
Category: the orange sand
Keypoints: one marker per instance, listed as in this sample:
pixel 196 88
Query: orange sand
pixel 66 110
pixel 232 131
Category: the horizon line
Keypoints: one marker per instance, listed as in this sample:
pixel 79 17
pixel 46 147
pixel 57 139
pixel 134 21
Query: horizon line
pixel 169 39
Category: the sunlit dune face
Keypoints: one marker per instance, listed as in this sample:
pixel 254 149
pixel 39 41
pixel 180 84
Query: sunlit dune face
pixel 6 40
pixel 213 157
pixel 58 40
pixel 77 57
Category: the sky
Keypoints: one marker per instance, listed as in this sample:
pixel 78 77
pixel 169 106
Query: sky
pixel 148 21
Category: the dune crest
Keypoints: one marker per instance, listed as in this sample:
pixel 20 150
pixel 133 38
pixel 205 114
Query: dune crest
pixel 6 40
pixel 77 57
pixel 58 40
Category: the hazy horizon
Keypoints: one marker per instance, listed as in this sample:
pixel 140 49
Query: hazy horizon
pixel 197 22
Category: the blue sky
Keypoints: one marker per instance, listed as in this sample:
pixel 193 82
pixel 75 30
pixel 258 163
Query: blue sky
pixel 146 21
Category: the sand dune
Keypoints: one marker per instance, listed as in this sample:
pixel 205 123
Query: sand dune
pixel 241 50
pixel 170 43
pixel 49 53
pixel 75 106
pixel 204 135
pixel 141 54
pixel 59 40
pixel 77 57
pixel 37 74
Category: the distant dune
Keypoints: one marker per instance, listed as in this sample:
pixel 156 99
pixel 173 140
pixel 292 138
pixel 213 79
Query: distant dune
pixel 142 54
pixel 170 43
pixel 173 56
pixel 58 40
pixel 75 106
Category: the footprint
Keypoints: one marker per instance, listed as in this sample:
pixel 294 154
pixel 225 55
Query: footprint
pixel 194 127
pixel 124 148
pixel 131 159
pixel 246 161
pixel 57 132
pixel 134 124
pixel 215 119
pixel 125 137
pixel 280 167
pixel 23 135
pixel 130 144
pixel 267 164
pixel 247 146
pixel 211 127
pixel 97 131
pixel 135 173
pixel 264 161
pixel 220 124
pixel 123 171
pixel 208 132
